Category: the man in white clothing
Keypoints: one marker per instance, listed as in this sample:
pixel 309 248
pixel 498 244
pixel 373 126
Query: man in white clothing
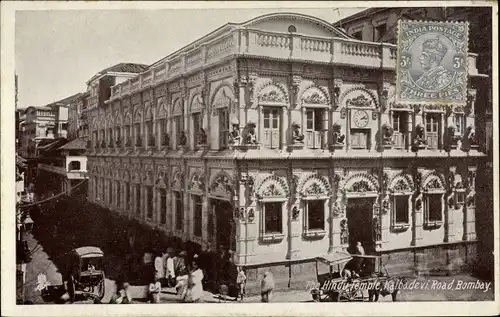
pixel 169 267
pixel 159 267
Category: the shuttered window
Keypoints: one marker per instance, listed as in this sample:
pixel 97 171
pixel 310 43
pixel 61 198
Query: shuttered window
pixel 271 127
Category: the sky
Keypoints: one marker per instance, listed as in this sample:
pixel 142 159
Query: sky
pixel 56 52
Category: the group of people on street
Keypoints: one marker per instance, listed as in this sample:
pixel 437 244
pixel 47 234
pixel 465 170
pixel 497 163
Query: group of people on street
pixel 191 275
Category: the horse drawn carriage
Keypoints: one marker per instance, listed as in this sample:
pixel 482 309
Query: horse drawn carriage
pixel 343 282
pixel 86 273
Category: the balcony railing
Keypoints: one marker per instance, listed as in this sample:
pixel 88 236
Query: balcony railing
pixel 278 45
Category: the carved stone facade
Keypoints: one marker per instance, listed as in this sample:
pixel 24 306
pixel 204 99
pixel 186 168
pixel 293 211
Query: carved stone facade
pixel 359 172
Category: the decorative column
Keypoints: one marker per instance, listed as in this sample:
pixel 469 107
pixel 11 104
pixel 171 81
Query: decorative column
pixel 283 128
pixel 293 218
pixel 409 130
pixel 384 208
pixel 470 214
pixel 205 243
pixel 417 203
pixel 449 205
pixel 239 91
pixel 334 180
pixel 186 203
pixel 339 224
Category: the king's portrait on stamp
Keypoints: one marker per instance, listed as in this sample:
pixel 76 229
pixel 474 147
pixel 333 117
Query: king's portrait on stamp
pixel 432 62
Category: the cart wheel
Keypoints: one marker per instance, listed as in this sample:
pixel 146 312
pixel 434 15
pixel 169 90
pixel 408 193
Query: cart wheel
pixel 358 296
pixel 344 296
pixel 101 287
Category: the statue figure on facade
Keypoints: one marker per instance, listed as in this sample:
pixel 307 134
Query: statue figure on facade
pixel 337 137
pixel 297 136
pixel 165 140
pixel 151 140
pixel 419 139
pixel 235 135
pixel 451 137
pixel 103 144
pixel 251 135
pixel 111 145
pixel 129 142
pixel 138 141
pixel 471 135
pixel 118 142
pixel 202 137
pixel 344 233
pixel 183 139
pixel 387 132
pixel 377 229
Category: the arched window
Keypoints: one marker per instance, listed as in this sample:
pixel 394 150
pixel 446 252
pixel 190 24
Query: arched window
pixel 292 29
pixel 74 166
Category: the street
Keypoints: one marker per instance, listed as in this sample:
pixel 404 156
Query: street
pixel 74 224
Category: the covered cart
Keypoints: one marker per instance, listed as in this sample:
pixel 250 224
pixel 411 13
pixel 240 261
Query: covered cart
pixel 85 276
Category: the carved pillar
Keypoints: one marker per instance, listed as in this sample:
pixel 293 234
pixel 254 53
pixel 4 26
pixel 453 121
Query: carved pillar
pixel 417 203
pixel 470 214
pixel 333 186
pixel 339 211
pixel 449 205
pixel 384 208
pixel 409 130
pixel 185 116
pixel 241 100
pixel 240 223
pixel 293 223
pixel 283 128
pixel 188 206
pixel 293 87
pixel 204 232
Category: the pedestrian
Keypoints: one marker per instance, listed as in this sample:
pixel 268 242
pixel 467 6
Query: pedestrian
pixel 159 266
pixel 360 250
pixel 170 267
pixel 240 282
pixel 267 286
pixel 180 262
pixel 154 291
pixel 181 283
pixel 194 291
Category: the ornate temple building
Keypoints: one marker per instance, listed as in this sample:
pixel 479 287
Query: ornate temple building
pixel 279 139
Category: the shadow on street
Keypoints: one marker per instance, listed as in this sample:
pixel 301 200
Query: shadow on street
pixel 68 224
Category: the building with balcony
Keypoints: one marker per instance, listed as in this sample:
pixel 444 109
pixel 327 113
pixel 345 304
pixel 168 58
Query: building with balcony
pixel 380 25
pixel 77 123
pixel 279 139
pixel 62 167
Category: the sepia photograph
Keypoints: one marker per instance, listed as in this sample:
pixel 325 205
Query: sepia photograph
pixel 249 155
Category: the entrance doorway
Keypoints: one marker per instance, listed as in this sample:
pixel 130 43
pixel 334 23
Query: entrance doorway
pixel 224 230
pixel 359 222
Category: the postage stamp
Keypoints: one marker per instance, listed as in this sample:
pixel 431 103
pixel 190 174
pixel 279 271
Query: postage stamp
pixel 432 62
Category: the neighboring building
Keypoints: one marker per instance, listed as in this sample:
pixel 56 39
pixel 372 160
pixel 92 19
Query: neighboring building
pixel 166 150
pixel 20 169
pixel 380 24
pixel 39 124
pixel 62 167
pixel 42 123
pixel 77 123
